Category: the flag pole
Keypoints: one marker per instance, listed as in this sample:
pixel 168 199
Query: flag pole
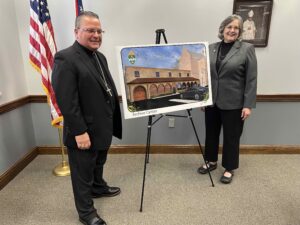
pixel 63 168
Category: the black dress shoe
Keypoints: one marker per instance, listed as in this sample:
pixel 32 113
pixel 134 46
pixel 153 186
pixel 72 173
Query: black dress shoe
pixel 93 221
pixel 109 192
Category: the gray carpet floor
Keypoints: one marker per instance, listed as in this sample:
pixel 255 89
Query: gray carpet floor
pixel 265 190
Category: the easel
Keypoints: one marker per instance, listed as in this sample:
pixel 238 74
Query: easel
pixel 160 32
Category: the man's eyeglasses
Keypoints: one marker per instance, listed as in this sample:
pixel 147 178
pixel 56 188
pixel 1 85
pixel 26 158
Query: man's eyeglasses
pixel 92 31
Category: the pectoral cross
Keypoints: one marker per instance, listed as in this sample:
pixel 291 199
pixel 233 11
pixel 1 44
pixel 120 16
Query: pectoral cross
pixel 108 90
pixel 102 76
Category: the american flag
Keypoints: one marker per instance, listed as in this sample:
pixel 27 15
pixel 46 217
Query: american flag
pixel 78 7
pixel 42 49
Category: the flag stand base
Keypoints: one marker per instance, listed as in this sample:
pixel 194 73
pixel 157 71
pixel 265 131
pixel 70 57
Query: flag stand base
pixel 62 169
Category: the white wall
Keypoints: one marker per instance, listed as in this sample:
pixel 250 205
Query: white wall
pixel 134 22
pixel 279 62
pixel 16 127
pixel 12 78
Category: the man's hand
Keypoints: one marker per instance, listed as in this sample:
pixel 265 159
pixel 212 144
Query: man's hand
pixel 246 112
pixel 83 141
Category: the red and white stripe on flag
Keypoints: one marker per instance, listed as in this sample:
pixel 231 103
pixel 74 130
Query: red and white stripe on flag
pixel 42 49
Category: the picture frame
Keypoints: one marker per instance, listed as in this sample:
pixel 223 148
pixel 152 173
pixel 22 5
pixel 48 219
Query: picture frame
pixel 256 15
pixel 158 79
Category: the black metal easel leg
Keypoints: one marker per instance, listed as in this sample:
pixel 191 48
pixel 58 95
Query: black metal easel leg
pixel 158 35
pixel 191 119
pixel 146 159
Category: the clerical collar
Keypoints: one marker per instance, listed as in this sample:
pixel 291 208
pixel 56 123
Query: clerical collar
pixel 88 51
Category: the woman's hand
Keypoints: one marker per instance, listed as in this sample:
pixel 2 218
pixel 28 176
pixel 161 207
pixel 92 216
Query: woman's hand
pixel 246 112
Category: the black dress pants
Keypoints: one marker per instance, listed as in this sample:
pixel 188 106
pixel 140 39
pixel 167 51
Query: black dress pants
pixel 232 123
pixel 87 177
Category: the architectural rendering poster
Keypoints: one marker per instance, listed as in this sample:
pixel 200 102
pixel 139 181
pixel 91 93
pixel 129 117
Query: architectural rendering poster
pixel 157 79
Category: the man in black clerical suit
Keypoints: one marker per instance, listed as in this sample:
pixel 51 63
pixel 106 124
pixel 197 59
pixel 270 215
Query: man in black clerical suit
pixel 88 100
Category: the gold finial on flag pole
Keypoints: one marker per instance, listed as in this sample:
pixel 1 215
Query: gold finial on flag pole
pixel 63 168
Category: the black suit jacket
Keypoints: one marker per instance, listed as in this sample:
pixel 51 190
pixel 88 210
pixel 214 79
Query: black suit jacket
pixel 82 99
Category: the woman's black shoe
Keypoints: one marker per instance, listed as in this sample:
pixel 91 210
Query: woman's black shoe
pixel 203 170
pixel 227 180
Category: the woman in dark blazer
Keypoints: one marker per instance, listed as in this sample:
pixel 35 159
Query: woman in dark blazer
pixel 233 68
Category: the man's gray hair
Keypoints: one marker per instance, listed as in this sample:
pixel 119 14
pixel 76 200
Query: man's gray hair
pixel 227 21
pixel 81 15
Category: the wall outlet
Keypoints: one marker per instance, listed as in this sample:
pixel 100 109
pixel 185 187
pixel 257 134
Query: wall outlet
pixel 171 122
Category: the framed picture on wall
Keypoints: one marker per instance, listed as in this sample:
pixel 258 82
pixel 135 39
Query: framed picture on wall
pixel 256 15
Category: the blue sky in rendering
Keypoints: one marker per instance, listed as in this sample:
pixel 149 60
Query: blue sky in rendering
pixel 164 56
